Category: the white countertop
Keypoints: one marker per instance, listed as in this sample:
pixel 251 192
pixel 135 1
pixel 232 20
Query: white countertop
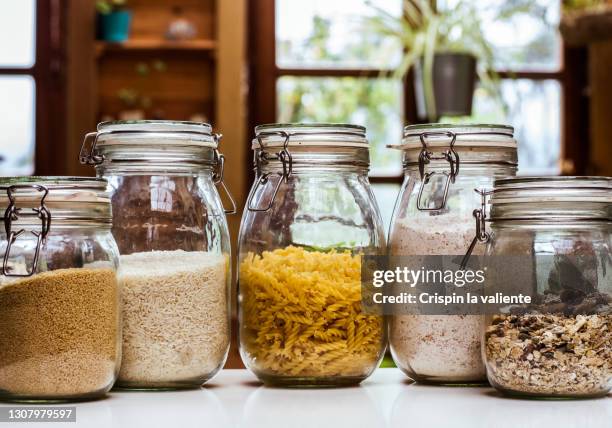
pixel 234 398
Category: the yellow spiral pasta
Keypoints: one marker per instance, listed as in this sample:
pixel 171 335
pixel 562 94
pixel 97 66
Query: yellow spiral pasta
pixel 301 314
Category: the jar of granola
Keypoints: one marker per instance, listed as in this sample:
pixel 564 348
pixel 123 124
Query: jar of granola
pixel 443 164
pixel 560 231
pixel 310 216
pixel 171 230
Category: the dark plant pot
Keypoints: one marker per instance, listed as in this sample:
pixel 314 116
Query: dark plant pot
pixel 116 25
pixel 454 78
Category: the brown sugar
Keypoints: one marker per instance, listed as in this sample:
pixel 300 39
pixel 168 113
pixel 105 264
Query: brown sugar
pixel 59 333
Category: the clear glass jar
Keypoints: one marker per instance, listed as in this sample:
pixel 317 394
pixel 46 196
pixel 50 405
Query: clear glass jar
pixel 559 345
pixel 310 216
pixel 173 238
pixel 60 334
pixel 443 164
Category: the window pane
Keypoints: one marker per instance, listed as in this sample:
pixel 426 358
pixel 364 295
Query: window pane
pixel 329 33
pixel 17 33
pixel 17 125
pixel 373 103
pixel 523 33
pixel 534 111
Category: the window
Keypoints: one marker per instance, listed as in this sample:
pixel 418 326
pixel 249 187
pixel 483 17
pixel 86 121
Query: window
pixel 319 65
pixel 375 103
pixel 527 51
pixel 329 71
pixel 31 101
pixel 328 34
pixel 17 86
pixel 534 109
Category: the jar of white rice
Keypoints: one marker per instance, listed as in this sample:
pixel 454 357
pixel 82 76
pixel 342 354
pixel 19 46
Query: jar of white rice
pixel 171 230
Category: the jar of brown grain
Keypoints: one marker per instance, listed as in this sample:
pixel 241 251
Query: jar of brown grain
pixel 59 298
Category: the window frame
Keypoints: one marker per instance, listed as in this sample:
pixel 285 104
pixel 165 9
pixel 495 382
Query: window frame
pixel 48 75
pixel 264 73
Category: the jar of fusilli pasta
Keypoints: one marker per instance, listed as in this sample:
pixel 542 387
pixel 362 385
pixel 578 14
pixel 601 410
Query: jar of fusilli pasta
pixel 310 217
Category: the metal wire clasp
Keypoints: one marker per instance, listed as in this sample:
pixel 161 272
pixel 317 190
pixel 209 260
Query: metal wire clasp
pixel 219 169
pixel 426 156
pixel 12 214
pixel 262 158
pixel 88 157
pixel 482 236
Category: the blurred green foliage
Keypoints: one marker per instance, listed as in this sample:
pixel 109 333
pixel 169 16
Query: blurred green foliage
pixel 580 5
pixel 108 6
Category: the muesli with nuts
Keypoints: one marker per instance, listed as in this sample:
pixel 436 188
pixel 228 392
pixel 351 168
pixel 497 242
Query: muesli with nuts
pixel 551 355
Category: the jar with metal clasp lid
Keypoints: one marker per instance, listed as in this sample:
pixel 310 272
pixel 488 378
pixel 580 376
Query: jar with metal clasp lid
pixel 171 229
pixel 60 335
pixel 554 234
pixel 310 217
pixel 433 217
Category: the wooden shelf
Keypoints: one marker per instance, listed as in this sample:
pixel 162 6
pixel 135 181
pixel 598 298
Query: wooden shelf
pixel 153 44
pixel 184 86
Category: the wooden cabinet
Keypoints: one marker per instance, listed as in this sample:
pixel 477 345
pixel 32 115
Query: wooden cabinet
pixel 178 79
pixel 156 78
pixel 591 30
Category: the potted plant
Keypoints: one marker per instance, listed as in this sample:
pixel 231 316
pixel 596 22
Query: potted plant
pixel 447 51
pixel 114 19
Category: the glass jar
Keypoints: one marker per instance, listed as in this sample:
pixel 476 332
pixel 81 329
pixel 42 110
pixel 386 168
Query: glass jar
pixel 560 344
pixel 443 164
pixel 173 238
pixel 310 216
pixel 60 334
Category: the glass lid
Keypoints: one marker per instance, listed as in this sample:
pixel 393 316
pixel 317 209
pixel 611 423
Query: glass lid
pixel 459 135
pixel 309 135
pixel 155 125
pixel 156 132
pixel 58 189
pixel 61 198
pixel 154 141
pixel 549 198
pixel 555 189
pixel 472 128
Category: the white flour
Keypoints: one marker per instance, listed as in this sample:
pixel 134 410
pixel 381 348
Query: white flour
pixel 442 348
